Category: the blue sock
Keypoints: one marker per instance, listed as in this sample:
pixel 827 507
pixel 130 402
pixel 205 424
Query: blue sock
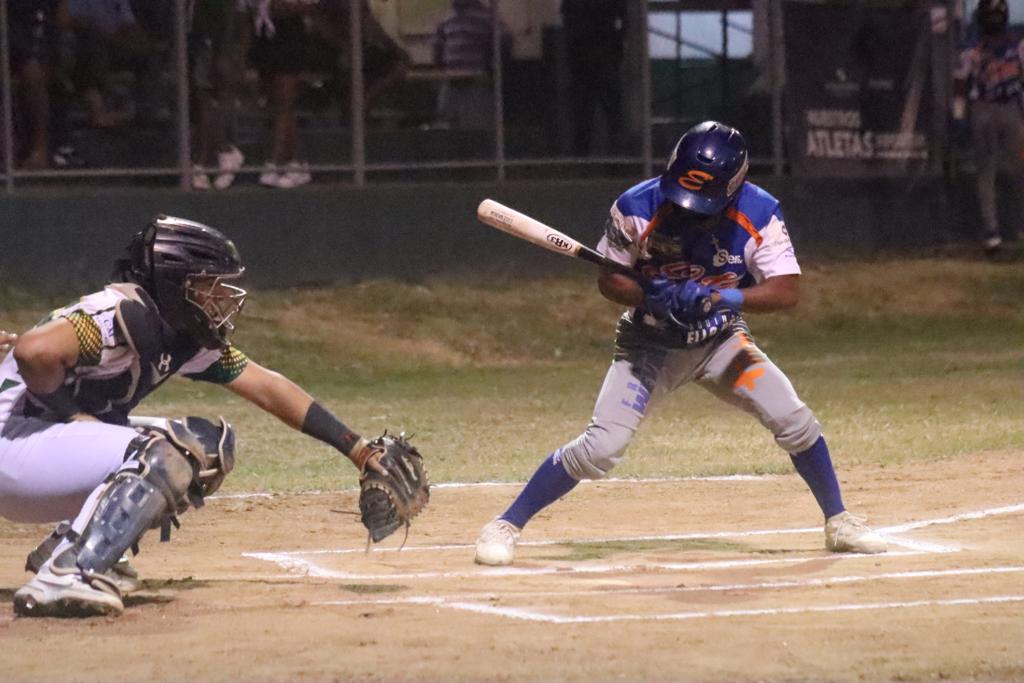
pixel 815 466
pixel 549 483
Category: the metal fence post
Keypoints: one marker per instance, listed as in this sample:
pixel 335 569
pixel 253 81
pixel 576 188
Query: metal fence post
pixel 497 65
pixel 646 101
pixel 775 61
pixel 358 85
pixel 182 75
pixel 8 113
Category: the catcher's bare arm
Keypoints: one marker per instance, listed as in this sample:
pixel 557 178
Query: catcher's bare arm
pixel 286 400
pixel 44 355
pixel 7 340
pixel 393 482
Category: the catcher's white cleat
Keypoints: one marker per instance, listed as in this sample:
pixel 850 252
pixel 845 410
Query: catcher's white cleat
pixel 497 543
pixel 60 592
pixel 847 533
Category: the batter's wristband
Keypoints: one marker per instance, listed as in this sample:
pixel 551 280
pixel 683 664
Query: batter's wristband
pixel 321 424
pixel 733 298
pixel 60 402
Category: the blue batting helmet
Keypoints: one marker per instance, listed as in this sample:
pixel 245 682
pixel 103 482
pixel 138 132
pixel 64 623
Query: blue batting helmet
pixel 706 169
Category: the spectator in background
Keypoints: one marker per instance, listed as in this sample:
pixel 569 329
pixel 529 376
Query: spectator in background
pixel 385 62
pixel 463 45
pixel 594 37
pixel 281 30
pixel 109 37
pixel 215 66
pixel 989 77
pixel 37 29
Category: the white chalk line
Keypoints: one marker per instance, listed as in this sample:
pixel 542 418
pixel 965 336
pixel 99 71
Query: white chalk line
pixel 696 535
pixel 312 569
pixel 294 563
pixel 952 519
pixel 528 615
pixel 887 533
pixel 489 484
pixel 666 590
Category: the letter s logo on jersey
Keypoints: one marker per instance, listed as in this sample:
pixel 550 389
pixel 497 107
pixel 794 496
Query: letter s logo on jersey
pixel 694 179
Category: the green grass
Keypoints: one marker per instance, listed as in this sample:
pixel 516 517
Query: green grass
pixel 908 360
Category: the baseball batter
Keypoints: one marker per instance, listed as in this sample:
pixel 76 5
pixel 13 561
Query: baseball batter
pixel 69 449
pixel 699 231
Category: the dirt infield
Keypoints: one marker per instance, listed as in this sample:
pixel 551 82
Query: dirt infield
pixel 721 579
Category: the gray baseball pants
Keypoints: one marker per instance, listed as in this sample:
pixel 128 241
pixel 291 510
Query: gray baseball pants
pixel 730 367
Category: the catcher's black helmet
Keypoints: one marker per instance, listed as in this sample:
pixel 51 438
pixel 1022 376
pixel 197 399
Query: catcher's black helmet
pixel 182 265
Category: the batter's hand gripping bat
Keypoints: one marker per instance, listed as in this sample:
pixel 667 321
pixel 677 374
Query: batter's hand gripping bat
pixel 530 229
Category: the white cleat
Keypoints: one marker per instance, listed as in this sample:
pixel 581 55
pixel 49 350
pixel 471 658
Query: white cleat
pixel 497 543
pixel 847 533
pixel 991 242
pixel 59 592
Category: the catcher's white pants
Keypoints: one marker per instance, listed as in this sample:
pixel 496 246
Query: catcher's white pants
pixel 732 368
pixel 48 470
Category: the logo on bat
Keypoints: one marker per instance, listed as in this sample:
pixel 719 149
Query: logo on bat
pixel 500 217
pixel 559 242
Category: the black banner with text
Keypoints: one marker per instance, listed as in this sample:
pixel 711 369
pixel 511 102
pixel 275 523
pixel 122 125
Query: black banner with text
pixel 857 88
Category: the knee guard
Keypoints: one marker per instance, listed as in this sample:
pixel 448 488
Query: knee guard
pixel 133 502
pixel 595 452
pixel 181 462
pixel 211 447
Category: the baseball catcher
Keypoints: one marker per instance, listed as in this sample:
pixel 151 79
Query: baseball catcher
pixel 71 450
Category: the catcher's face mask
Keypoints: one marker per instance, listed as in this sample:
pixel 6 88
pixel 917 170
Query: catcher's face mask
pixel 218 301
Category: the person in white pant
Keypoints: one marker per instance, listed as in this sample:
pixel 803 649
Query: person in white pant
pixel 69 449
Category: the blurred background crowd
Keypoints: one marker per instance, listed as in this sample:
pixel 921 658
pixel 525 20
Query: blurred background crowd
pixel 98 84
pixel 204 92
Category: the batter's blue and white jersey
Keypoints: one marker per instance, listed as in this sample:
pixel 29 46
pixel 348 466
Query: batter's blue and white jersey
pixel 125 352
pixel 993 70
pixel 749 244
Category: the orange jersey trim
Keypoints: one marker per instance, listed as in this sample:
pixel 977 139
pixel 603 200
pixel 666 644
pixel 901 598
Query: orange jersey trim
pixel 660 214
pixel 743 221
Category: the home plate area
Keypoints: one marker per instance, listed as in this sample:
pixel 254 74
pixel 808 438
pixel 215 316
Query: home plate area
pixel 719 572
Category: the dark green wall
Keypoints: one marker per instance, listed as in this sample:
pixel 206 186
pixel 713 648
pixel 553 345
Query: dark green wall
pixel 61 239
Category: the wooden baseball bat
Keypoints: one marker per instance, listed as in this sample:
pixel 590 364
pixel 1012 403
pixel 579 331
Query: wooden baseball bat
pixel 522 226
pixel 530 229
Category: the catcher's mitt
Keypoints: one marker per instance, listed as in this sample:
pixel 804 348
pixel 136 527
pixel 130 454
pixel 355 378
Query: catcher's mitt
pixel 388 502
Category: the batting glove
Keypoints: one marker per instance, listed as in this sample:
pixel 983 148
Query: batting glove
pixel 689 301
pixel 658 294
pixel 679 300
